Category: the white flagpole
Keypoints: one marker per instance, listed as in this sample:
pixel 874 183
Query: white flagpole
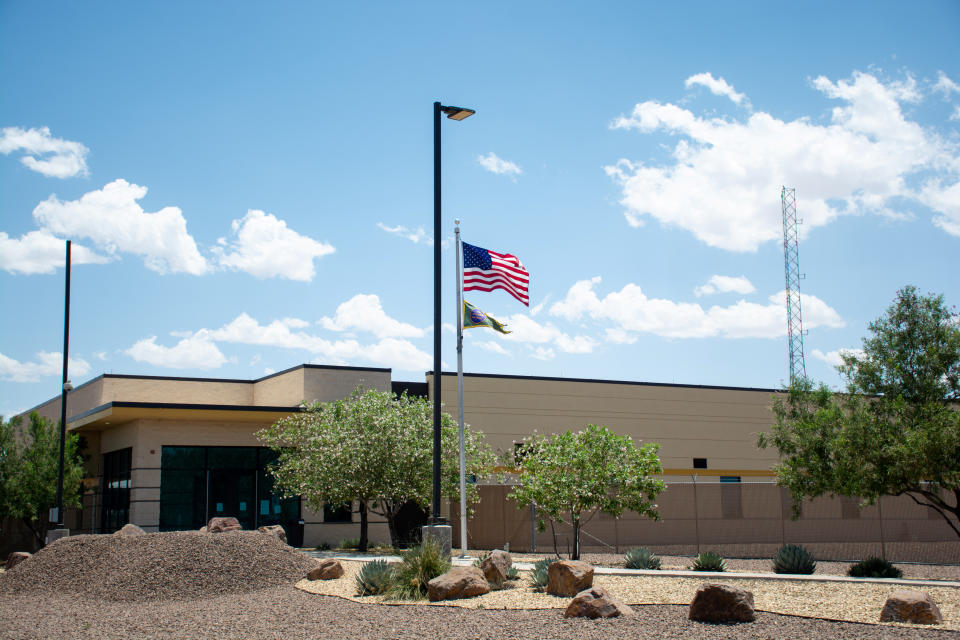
pixel 463 454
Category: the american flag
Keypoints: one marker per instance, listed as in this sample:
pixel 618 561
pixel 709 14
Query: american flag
pixel 485 270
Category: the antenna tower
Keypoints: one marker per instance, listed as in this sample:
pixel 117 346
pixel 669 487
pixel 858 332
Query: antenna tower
pixel 791 260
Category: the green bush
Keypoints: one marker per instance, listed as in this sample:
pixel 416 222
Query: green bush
pixel 419 565
pixel 513 573
pixel 874 568
pixel 793 558
pixel 323 546
pixel 709 561
pixel 641 558
pixel 374 578
pixel 540 575
pixel 349 543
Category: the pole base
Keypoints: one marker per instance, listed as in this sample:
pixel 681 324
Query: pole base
pixel 442 534
pixel 56 534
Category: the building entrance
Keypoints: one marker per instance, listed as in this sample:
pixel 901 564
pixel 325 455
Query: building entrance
pixel 233 494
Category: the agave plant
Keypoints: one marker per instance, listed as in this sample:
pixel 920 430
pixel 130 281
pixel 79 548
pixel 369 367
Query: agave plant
pixel 709 561
pixel 374 578
pixel 540 575
pixel 793 558
pixel 641 558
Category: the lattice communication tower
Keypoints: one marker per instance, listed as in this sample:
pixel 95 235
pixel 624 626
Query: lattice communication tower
pixel 791 260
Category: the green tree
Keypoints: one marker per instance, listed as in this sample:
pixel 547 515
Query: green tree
pixel 896 429
pixel 373 448
pixel 586 472
pixel 29 468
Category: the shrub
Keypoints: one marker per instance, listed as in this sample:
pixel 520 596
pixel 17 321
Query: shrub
pixel 513 573
pixel 793 558
pixel 323 546
pixel 874 568
pixel 540 575
pixel 641 558
pixel 419 565
pixel 709 561
pixel 374 578
pixel 349 543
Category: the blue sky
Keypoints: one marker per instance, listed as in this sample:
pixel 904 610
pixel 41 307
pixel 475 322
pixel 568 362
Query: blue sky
pixel 249 186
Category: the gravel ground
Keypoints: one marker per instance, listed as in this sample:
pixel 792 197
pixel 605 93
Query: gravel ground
pixel 241 585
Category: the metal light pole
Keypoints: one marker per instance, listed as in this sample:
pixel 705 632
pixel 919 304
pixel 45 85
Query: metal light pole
pixel 453 113
pixel 64 390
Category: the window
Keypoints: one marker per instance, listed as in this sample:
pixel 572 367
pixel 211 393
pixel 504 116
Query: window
pixel 338 513
pixel 116 490
pixel 699 463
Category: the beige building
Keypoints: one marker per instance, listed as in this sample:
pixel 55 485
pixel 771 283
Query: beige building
pixel 169 453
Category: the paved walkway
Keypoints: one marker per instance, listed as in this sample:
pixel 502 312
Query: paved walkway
pixel 619 571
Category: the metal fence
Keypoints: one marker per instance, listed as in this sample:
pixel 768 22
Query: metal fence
pixel 735 519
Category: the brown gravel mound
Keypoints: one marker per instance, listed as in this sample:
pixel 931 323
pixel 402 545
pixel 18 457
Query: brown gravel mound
pixel 176 565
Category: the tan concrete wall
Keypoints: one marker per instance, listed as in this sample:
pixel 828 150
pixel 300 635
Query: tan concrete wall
pixel 689 422
pixel 178 391
pixel 285 390
pixel 81 399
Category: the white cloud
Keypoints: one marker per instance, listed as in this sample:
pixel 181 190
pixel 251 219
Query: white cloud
pixel 494 164
pixel 945 200
pixel 945 85
pixel 100 355
pixel 415 237
pixel 725 284
pixel 42 252
pixel 263 246
pixel 833 357
pixel 724 180
pixel 53 157
pixel 717 86
pixel 195 352
pixel 525 329
pixel 544 353
pixel 48 364
pixel 365 313
pixel 631 311
pixel 956 113
pixel 113 220
pixel 490 345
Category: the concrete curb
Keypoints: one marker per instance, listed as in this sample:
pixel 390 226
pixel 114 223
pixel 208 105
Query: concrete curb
pixel 669 573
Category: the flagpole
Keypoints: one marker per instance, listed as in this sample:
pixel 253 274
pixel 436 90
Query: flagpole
pixel 463 454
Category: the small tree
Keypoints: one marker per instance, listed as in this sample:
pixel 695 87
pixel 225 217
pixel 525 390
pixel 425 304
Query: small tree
pixel 586 472
pixel 373 448
pixel 29 468
pixel 896 430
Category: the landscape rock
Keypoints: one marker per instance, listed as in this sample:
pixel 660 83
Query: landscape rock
pixel 130 530
pixel 327 570
pixel 596 602
pixel 911 606
pixel 461 582
pixel 276 531
pixel 722 603
pixel 569 577
pixel 16 558
pixel 221 525
pixel 496 565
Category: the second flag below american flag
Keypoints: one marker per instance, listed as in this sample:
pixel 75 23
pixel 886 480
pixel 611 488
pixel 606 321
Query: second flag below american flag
pixel 486 270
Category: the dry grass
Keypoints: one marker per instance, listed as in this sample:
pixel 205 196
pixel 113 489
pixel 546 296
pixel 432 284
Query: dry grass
pixel 855 602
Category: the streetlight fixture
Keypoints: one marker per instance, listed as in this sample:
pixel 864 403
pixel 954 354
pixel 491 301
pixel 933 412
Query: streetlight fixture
pixel 452 113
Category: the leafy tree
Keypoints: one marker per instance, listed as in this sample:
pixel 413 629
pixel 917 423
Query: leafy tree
pixel 29 468
pixel 586 472
pixel 373 448
pixel 896 430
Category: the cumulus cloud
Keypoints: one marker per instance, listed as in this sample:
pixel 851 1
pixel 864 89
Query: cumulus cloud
pixel 365 313
pixel 111 218
pixel 833 358
pixel 494 164
pixel 42 252
pixel 544 353
pixel 717 86
pixel 195 352
pixel 724 179
pixel 47 364
pixel 495 347
pixel 416 237
pixel 945 85
pixel 52 157
pixel 526 329
pixel 263 246
pixel 725 284
pixel 631 312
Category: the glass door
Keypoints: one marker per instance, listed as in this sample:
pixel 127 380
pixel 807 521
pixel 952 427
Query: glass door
pixel 232 493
